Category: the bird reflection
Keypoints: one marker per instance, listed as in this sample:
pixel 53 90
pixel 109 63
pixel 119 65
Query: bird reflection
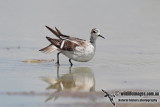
pixel 77 79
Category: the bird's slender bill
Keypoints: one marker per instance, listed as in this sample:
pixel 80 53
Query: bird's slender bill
pixel 101 36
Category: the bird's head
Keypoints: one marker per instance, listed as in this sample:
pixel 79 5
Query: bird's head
pixel 96 33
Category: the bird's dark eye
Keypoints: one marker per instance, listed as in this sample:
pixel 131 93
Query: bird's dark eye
pixel 94 31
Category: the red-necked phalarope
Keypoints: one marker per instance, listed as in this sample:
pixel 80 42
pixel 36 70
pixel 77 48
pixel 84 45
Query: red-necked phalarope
pixel 74 48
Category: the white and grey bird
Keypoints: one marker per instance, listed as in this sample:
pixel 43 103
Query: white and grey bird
pixel 74 48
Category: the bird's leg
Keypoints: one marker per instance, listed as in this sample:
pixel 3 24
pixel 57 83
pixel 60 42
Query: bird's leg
pixel 58 71
pixel 58 58
pixel 70 62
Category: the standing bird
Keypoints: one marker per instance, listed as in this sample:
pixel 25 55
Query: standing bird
pixel 74 48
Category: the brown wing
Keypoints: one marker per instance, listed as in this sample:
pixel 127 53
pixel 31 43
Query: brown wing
pixel 55 42
pixel 62 36
pixel 64 42
pixel 57 33
pixel 68 45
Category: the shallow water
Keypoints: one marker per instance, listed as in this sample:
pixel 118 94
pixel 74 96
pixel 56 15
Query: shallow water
pixel 129 57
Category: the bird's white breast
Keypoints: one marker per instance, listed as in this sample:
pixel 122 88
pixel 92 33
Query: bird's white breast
pixel 81 53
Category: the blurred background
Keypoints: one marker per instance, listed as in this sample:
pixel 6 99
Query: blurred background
pixel 129 57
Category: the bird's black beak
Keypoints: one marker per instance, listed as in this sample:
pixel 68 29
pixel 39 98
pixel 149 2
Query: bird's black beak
pixel 101 36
